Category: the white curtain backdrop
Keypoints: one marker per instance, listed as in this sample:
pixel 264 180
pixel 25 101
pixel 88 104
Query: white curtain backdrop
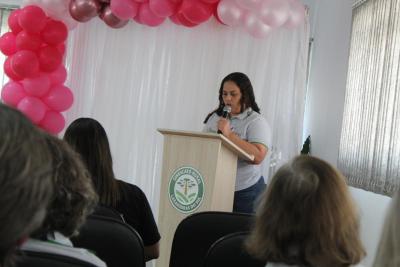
pixel 137 79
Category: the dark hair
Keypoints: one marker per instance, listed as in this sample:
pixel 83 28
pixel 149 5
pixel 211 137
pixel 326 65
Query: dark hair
pixel 25 180
pixel 89 139
pixel 74 197
pixel 246 89
pixel 307 217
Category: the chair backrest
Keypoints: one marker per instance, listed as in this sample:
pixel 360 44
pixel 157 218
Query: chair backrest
pixel 106 211
pixel 113 241
pixel 196 233
pixel 44 259
pixel 229 251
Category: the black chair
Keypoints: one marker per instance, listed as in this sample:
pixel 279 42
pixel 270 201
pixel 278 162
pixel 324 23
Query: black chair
pixel 196 233
pixel 44 259
pixel 229 251
pixel 113 241
pixel 110 212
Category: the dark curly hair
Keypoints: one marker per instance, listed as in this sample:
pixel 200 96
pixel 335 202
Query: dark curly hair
pixel 74 196
pixel 246 89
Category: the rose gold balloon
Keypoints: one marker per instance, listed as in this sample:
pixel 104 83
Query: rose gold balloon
pixel 84 10
pixel 111 20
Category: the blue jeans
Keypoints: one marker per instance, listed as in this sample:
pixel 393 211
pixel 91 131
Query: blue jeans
pixel 246 200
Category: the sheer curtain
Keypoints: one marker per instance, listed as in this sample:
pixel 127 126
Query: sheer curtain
pixel 369 153
pixel 137 79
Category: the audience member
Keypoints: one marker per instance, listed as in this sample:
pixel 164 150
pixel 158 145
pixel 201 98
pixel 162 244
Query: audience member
pixel 388 253
pixel 73 199
pixel 25 184
pixel 307 218
pixel 89 139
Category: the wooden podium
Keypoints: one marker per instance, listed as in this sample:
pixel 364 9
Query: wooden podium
pixel 198 174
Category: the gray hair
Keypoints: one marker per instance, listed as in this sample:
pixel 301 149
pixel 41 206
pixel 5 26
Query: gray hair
pixel 25 184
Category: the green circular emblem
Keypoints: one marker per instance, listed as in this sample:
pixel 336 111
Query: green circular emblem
pixel 186 189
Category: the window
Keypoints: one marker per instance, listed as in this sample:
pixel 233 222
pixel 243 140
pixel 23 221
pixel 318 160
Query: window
pixel 369 153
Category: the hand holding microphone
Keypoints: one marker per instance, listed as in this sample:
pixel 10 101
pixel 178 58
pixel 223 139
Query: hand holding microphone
pixel 225 114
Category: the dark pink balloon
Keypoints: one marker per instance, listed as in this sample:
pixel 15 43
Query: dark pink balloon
pixel 28 41
pixel 58 76
pixel 163 8
pixel 37 86
pixel 111 20
pixel 53 122
pixel 32 19
pixel 33 108
pixel 84 10
pixel 54 32
pixel 13 21
pixel 195 11
pixel 9 71
pixel 8 44
pixel 50 58
pixel 147 17
pixel 12 93
pixel 60 98
pixel 25 63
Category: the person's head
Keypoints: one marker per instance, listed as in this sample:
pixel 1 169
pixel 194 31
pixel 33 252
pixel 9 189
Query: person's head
pixel 87 137
pixel 307 217
pixel 25 179
pixel 74 197
pixel 387 254
pixel 236 91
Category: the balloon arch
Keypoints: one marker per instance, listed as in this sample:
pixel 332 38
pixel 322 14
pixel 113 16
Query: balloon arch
pixel 35 44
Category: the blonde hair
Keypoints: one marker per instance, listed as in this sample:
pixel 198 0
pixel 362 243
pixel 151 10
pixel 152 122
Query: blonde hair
pixel 25 184
pixel 307 217
pixel 388 253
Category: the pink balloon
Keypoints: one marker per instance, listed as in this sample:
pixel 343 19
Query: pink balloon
pixel 196 11
pixel 28 41
pixel 174 18
pixel 32 19
pixel 33 108
pixel 50 58
pixel 256 27
pixel 250 4
pixel 210 1
pixel 229 12
pixel 58 76
pixel 297 14
pixel 12 93
pixel 8 44
pixel 25 63
pixel 124 9
pixel 53 122
pixel 147 17
pixel 37 86
pixel 9 72
pixel 13 21
pixel 274 12
pixel 60 98
pixel 54 32
pixel 162 8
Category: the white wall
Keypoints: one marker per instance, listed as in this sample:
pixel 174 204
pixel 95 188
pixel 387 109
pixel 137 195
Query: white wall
pixel 331 29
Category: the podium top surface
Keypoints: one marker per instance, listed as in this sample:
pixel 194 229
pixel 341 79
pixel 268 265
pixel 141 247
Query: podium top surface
pixel 229 144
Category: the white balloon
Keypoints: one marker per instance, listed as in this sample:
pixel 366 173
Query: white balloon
pixel 255 26
pixel 297 14
pixel 229 12
pixel 274 12
pixel 250 4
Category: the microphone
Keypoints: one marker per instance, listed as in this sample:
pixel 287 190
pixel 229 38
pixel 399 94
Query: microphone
pixel 225 113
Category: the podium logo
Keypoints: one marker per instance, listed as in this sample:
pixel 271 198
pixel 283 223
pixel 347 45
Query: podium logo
pixel 186 189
